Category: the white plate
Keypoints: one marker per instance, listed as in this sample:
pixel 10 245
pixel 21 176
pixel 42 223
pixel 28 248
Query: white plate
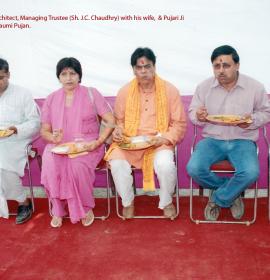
pixel 228 119
pixel 60 150
pixel 139 139
pixel 137 143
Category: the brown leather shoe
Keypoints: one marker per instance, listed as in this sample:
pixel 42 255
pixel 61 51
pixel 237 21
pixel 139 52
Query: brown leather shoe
pixel 128 212
pixel 169 211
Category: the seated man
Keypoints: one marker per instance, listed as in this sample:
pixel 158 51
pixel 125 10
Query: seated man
pixel 152 107
pixel 19 116
pixel 228 93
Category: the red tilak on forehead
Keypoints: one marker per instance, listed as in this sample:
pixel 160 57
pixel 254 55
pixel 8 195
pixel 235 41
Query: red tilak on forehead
pixel 220 60
pixel 141 61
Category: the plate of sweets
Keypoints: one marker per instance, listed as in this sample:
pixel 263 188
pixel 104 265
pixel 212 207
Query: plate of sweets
pixel 228 119
pixel 6 132
pixel 136 143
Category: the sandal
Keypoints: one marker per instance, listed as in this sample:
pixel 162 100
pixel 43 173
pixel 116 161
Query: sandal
pixel 56 222
pixel 89 218
pixel 169 211
pixel 128 211
pixel 211 211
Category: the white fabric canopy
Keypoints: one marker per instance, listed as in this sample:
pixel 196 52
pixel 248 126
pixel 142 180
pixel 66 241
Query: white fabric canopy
pixel 104 47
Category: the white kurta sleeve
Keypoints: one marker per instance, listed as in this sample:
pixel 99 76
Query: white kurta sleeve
pixel 31 119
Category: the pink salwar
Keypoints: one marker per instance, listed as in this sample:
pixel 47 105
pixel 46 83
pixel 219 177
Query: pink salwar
pixel 69 181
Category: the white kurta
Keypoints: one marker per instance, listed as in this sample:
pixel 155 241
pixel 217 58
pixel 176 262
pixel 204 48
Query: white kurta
pixel 17 108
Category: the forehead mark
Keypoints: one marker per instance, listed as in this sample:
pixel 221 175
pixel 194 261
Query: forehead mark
pixel 141 61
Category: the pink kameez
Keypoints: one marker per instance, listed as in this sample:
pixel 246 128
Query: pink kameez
pixel 70 180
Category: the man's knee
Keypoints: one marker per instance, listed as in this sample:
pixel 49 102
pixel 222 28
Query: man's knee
pixel 120 165
pixel 164 161
pixel 195 168
pixel 251 174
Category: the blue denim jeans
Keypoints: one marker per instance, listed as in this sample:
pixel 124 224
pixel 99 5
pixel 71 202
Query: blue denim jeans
pixel 243 156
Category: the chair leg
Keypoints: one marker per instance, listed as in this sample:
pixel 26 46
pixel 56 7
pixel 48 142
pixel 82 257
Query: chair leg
pixel 30 185
pixel 268 189
pixel 191 203
pixel 117 206
pixel 177 201
pixel 269 201
pixel 111 182
pixel 108 189
pixel 39 160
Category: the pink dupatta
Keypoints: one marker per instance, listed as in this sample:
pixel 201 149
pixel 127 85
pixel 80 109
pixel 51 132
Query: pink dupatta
pixel 81 103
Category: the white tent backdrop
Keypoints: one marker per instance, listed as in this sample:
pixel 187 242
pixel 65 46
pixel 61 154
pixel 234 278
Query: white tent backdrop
pixel 104 47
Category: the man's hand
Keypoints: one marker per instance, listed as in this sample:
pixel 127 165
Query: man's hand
pixel 118 134
pixel 201 114
pixel 246 124
pixel 158 141
pixel 14 128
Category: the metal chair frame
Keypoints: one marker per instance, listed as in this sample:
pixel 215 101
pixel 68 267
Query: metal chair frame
pixel 268 168
pixel 230 171
pixel 31 153
pixel 134 189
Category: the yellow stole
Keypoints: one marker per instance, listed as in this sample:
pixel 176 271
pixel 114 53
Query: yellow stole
pixel 132 122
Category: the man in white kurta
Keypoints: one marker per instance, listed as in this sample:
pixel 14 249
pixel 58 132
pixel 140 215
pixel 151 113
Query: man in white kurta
pixel 19 113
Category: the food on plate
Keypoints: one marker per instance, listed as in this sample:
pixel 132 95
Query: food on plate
pixel 5 132
pixel 136 143
pixel 67 148
pixel 228 119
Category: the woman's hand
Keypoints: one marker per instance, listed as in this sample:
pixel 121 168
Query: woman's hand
pixel 54 136
pixel 57 136
pixel 91 146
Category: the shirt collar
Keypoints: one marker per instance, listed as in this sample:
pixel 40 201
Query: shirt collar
pixel 240 82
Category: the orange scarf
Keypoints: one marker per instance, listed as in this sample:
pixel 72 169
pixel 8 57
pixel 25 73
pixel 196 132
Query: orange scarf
pixel 132 122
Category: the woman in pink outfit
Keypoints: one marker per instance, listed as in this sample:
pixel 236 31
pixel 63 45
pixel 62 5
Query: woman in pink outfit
pixel 68 114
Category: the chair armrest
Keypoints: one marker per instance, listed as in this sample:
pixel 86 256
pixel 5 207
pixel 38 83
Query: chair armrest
pixel 28 148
